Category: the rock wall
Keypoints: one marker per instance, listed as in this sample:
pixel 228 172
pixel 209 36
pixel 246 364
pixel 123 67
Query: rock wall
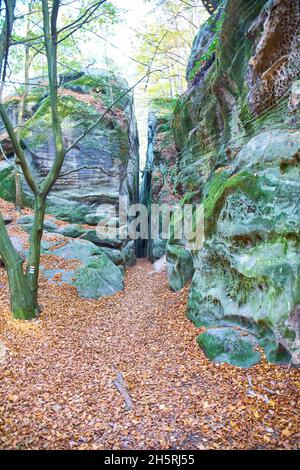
pixel 237 138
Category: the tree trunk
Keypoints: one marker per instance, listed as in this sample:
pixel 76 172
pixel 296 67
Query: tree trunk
pixel 23 303
pixel 19 196
pixel 21 113
pixel 33 266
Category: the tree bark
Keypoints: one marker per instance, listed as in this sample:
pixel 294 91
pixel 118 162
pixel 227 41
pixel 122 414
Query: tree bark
pixel 23 303
pixel 33 265
pixel 21 113
pixel 19 193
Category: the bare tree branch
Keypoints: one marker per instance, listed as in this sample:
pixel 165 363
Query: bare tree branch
pixel 86 167
pixel 84 19
pixel 153 57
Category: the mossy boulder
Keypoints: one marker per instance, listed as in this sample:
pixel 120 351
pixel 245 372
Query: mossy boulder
pixel 116 256
pixel 26 223
pixel 98 277
pixel 180 266
pixel 230 346
pixel 7 182
pixel 159 248
pixel 129 253
pixel 71 230
pixel 95 237
pixel 76 249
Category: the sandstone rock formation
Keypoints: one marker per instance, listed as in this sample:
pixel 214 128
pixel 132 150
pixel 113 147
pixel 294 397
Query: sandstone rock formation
pixel 101 166
pixel 157 186
pixel 237 138
pixel 97 170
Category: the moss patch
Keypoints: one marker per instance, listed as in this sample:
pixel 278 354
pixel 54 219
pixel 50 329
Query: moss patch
pixel 230 346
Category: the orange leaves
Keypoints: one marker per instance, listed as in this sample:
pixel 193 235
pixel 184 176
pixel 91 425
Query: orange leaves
pixel 56 385
pixel 234 425
pixel 286 433
pixel 206 405
pixel 13 398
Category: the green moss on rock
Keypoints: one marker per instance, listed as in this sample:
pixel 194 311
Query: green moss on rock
pixel 230 346
pixel 98 277
pixel 180 266
pixel 7 183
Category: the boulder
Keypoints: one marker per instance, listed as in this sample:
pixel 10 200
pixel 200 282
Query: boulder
pixel 93 219
pixel 180 266
pixel 26 223
pixel 93 236
pixel 98 277
pixel 159 248
pixel 114 255
pixel 76 249
pixel 231 346
pixel 71 231
pixel 128 253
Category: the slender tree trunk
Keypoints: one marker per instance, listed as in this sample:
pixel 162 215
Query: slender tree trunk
pixel 21 114
pixel 23 303
pixel 19 194
pixel 33 265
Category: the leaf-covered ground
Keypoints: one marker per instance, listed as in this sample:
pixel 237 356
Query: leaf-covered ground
pixel 57 381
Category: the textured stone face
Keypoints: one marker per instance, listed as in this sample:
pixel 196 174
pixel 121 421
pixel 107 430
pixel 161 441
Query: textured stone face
pixel 180 266
pixel 238 139
pixel 276 60
pixel 101 166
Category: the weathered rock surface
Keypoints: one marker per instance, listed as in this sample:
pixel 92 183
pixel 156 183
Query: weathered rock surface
pixel 101 166
pixel 97 272
pixel 180 266
pixel 26 223
pixel 72 231
pixel 158 188
pixel 97 170
pixel 229 345
pixel 98 277
pixel 237 137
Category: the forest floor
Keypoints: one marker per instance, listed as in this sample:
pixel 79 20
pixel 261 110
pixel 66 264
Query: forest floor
pixel 57 387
